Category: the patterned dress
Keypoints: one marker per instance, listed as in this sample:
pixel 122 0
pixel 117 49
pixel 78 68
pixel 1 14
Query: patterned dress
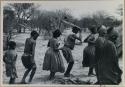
pixel 53 60
pixel 107 67
pixel 10 63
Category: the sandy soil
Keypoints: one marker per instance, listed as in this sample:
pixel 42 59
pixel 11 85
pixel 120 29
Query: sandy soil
pixel 41 76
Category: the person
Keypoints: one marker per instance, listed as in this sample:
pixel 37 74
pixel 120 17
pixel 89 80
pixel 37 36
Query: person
pixel 107 68
pixel 28 56
pixel 10 58
pixel 113 36
pixel 89 51
pixel 53 60
pixel 66 49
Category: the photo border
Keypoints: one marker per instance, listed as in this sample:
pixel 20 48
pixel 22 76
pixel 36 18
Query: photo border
pixel 50 85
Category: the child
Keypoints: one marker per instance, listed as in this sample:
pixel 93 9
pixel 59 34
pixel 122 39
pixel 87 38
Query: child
pixel 53 60
pixel 28 56
pixel 89 51
pixel 10 62
pixel 66 50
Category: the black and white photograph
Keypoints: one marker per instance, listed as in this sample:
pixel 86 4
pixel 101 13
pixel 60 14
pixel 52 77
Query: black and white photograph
pixel 62 42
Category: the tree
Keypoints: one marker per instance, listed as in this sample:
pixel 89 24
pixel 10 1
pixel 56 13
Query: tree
pixel 8 22
pixel 23 13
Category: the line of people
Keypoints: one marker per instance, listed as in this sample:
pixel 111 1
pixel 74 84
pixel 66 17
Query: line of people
pixel 100 54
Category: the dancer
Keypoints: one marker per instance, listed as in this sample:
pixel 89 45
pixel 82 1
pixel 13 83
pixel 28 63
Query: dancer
pixel 53 60
pixel 28 56
pixel 66 50
pixel 89 51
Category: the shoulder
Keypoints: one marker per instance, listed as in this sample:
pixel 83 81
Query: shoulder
pixel 27 39
pixel 111 44
pixel 72 36
pixel 33 41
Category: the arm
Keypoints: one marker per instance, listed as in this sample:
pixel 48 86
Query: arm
pixel 6 60
pixel 4 57
pixel 86 39
pixel 78 38
pixel 33 52
pixel 48 45
pixel 56 45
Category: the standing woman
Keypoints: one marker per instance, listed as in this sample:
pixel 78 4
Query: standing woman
pixel 89 51
pixel 53 60
pixel 28 56
pixel 107 67
pixel 114 36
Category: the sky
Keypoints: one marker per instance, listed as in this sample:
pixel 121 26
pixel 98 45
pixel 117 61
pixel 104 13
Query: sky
pixel 83 8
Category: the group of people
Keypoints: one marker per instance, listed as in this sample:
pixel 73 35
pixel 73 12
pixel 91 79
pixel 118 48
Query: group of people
pixel 100 54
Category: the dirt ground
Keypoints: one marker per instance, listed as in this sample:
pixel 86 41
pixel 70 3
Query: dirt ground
pixel 41 76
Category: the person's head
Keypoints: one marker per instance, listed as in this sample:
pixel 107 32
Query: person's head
pixel 75 30
pixel 93 30
pixel 34 35
pixel 57 33
pixel 12 45
pixel 113 35
pixel 102 31
pixel 110 29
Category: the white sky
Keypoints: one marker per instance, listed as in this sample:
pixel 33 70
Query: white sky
pixel 82 8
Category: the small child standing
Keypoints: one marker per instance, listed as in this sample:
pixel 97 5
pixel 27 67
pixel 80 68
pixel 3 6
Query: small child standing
pixel 10 62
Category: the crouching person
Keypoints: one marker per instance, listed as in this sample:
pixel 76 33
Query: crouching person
pixel 68 47
pixel 28 56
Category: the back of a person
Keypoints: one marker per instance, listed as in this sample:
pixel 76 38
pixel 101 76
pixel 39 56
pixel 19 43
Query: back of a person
pixel 11 54
pixel 28 46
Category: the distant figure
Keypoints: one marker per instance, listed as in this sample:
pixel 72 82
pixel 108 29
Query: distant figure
pixel 10 58
pixel 66 50
pixel 53 60
pixel 28 56
pixel 89 51
pixel 107 67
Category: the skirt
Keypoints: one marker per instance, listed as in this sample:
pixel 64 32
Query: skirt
pixel 88 56
pixel 53 61
pixel 26 61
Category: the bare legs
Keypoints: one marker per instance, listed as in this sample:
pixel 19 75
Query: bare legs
pixel 33 70
pixel 69 68
pixel 12 80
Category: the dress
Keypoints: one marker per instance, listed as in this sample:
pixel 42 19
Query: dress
pixel 53 60
pixel 10 63
pixel 89 52
pixel 107 67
